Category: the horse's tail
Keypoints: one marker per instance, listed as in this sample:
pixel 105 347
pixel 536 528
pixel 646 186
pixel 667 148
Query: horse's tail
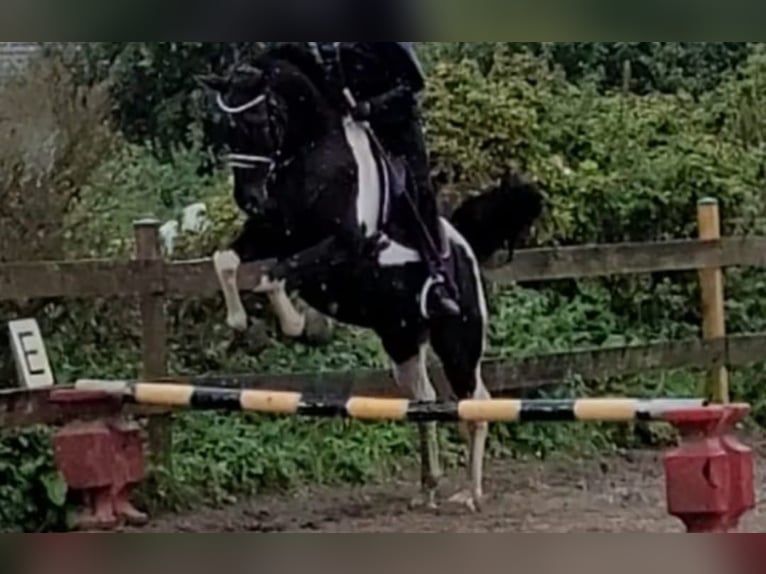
pixel 500 217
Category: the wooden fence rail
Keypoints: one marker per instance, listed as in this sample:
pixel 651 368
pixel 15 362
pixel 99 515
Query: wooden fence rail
pixel 109 278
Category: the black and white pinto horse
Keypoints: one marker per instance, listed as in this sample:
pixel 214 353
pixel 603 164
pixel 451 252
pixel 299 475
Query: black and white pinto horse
pixel 306 174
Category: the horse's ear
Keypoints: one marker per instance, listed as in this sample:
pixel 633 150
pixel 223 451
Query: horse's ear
pixel 213 83
pixel 505 182
pixel 511 180
pixel 250 70
pixel 248 76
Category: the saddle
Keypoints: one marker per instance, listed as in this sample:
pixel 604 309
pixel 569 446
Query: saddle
pixel 394 177
pixel 397 172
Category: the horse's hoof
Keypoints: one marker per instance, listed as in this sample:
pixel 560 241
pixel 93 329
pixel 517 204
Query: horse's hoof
pixel 295 327
pixel 319 328
pixel 468 500
pixel 254 341
pixel 237 322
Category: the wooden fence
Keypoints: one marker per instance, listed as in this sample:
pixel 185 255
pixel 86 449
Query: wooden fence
pixel 152 280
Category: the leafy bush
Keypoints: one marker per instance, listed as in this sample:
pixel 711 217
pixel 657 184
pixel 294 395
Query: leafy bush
pixel 616 168
pixel 133 184
pixel 664 67
pixel 32 491
pixel 52 138
pixel 218 458
pixel 153 81
pixel 636 67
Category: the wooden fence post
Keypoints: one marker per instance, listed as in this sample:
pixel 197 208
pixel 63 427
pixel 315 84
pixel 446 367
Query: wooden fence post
pixel 153 336
pixel 713 310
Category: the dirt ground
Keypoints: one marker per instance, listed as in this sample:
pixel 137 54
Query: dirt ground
pixel 610 495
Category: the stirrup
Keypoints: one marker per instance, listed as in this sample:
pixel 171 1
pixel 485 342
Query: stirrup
pixel 430 283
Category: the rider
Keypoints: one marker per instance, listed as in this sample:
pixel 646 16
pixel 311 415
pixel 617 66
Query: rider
pixel 394 116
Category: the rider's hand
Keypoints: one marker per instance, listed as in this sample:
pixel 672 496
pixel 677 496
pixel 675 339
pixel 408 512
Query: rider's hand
pixel 362 111
pixel 375 245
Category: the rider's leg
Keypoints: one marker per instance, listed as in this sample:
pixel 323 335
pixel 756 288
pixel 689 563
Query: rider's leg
pixel 412 142
pixel 328 55
pixel 408 142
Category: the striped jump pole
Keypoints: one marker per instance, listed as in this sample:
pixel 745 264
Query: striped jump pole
pixel 373 409
pixel 709 476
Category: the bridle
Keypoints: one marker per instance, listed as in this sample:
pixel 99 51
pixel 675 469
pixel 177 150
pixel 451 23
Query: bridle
pixel 241 160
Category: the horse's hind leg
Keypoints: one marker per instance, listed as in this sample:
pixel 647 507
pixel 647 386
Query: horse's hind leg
pixel 459 343
pixel 429 439
pixel 476 434
pixel 477 442
pixel 412 377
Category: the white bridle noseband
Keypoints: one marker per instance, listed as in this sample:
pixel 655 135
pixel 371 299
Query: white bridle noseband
pixel 240 160
pixel 247 161
pixel 240 109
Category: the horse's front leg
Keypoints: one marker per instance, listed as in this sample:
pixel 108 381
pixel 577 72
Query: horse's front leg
pixel 291 321
pixel 227 263
pixel 256 242
pixel 226 266
pixel 299 269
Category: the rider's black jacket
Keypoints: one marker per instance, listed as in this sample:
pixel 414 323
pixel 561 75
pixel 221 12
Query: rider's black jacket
pixel 401 63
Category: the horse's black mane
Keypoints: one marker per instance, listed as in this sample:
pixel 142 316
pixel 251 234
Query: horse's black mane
pixel 297 54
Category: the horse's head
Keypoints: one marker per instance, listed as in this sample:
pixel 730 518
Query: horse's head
pixel 253 128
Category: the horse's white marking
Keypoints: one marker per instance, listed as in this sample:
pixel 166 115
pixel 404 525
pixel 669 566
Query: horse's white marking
pixel 368 193
pixel 226 265
pixel 396 254
pixel 412 377
pixel 454 236
pixel 478 431
pixel 425 390
pixel 291 321
pixel 479 442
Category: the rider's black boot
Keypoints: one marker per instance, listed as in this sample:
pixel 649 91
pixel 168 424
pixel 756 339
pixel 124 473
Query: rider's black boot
pixel 439 303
